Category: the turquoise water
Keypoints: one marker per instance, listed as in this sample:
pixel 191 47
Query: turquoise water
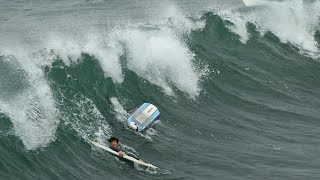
pixel 237 87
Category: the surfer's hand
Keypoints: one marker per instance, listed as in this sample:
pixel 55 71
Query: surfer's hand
pixel 120 154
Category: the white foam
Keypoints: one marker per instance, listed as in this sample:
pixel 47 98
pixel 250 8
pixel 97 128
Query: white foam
pixel 66 49
pixel 83 116
pixel 32 111
pixel 108 52
pixel 105 49
pixel 239 23
pixel 173 17
pixel 292 21
pixel 121 113
pixel 162 59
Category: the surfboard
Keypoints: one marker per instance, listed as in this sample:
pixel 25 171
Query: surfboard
pixel 144 117
pixel 127 157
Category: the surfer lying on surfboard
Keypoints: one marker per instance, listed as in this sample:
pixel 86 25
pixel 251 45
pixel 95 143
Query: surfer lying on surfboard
pixel 114 145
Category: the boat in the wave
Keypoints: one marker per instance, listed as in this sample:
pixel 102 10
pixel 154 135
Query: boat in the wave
pixel 143 117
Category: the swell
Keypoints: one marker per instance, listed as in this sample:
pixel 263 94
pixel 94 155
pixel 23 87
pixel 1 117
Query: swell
pixel 262 68
pixel 257 101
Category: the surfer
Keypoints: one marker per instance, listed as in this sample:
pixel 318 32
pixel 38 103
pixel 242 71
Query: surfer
pixel 114 145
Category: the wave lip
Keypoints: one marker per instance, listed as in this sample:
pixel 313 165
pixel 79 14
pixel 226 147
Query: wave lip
pixel 161 59
pixel 31 108
pixel 294 22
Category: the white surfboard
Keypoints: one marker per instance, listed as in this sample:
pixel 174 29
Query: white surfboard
pixel 124 156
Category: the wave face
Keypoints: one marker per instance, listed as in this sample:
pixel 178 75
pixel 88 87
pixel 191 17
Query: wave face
pixel 237 87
